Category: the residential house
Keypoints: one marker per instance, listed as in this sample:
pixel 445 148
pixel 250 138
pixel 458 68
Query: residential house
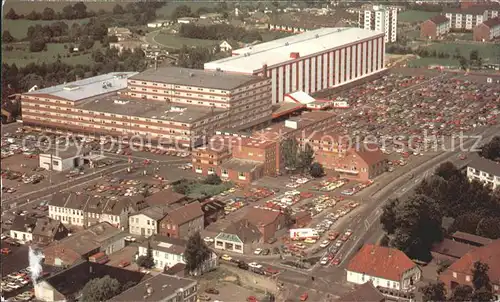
pixel 238 237
pixel 450 250
pixel 269 222
pixel 187 20
pixel 387 268
pixel 161 288
pixel 37 230
pixel 228 45
pixel 212 210
pixel 461 271
pixel 69 207
pixel 160 23
pixel 363 292
pixel 168 251
pixel 122 33
pixel 435 27
pixel 211 16
pixel 485 171
pixel 126 45
pixel 117 210
pixel 470 17
pixel 101 237
pixel 488 30
pixel 66 285
pixel 145 223
pixel 182 222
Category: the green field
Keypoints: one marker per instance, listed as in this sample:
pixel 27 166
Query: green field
pixel 425 62
pixel 24 57
pixel 19 28
pixel 176 42
pixel 25 7
pixel 415 16
pixel 488 52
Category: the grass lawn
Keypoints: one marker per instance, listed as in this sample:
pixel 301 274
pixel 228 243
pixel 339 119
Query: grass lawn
pixel 25 7
pixel 489 52
pixel 176 42
pixel 425 62
pixel 19 28
pixel 415 16
pixel 24 57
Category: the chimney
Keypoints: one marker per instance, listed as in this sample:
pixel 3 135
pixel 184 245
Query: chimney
pixel 294 55
pixel 264 70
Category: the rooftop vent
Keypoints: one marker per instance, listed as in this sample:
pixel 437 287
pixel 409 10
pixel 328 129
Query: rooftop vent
pixel 177 109
pixel 286 44
pixel 71 87
pixel 191 74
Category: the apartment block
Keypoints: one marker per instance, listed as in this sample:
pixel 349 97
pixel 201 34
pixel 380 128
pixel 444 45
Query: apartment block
pixel 488 30
pixel 382 19
pixel 435 27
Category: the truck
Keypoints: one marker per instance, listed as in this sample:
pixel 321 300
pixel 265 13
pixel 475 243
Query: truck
pixel 301 234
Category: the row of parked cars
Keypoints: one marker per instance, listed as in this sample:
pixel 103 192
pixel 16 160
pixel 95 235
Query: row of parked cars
pixel 15 281
pixel 252 266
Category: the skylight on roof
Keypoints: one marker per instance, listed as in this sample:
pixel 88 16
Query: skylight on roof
pixel 71 87
pixel 165 245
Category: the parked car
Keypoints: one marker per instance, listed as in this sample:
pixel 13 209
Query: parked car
pixel 226 257
pixel 255 265
pixel 212 291
pixel 265 252
pixel 304 296
pixel 325 243
pixel 204 297
pixel 124 263
pixel 324 261
pixel 258 251
pixel 242 265
pixel 208 240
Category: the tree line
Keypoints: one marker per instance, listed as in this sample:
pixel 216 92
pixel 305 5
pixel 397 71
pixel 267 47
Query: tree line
pixel 69 12
pixel 414 224
pixel 219 32
pixel 21 79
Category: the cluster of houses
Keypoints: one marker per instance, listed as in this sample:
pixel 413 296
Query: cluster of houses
pixel 482 20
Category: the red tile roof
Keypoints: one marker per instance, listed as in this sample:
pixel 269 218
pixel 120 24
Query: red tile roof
pixel 371 155
pixel 258 216
pixel 439 19
pixel 186 213
pixel 492 22
pixel 379 261
pixel 489 254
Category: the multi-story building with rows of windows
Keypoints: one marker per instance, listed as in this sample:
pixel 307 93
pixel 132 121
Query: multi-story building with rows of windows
pixel 172 106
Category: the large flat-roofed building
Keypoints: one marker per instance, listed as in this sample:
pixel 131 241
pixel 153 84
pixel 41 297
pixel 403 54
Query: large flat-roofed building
pixel 175 107
pixel 311 61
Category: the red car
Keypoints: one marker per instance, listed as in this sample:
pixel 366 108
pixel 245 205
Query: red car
pixel 304 297
pixel 271 271
pixel 124 263
pixel 252 299
pixel 5 251
pixel 336 261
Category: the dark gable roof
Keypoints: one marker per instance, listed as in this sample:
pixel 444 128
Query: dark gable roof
pixel 492 22
pixel 245 230
pixel 485 165
pixel 451 248
pixel 362 293
pixel 439 19
pixel 47 227
pixel 186 213
pixel 164 198
pixel 258 216
pixel 22 223
pixel 72 280
pixel 170 245
pixel 70 200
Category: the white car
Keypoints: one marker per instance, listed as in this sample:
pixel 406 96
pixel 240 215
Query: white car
pixel 254 265
pixel 130 239
pixel 208 240
pixel 257 251
pixel 324 261
pixel 325 243
pixel 338 243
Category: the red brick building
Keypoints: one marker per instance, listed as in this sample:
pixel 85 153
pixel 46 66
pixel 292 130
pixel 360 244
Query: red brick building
pixel 488 30
pixel 435 27
pixel 182 222
pixel 460 272
pixel 267 221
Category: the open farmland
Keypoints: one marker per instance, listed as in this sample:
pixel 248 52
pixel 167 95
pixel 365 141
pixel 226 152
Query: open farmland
pixel 415 16
pixel 21 55
pixel 25 7
pixel 19 28
pixel 176 42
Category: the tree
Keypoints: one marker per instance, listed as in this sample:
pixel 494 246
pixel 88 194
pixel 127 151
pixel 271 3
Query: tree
pixel 306 157
pixel 447 170
pixel 146 261
pixel 100 289
pixel 482 295
pixel 461 293
pixel 37 44
pixel 491 150
pixel 489 227
pixel 388 217
pixel 289 149
pixel 317 170
pixel 433 292
pixel 11 15
pixel 48 14
pixel 118 10
pixel 213 179
pixel 80 10
pixel 417 226
pixel 196 253
pixel 7 37
pixel 34 16
pixel 480 278
pixel 289 221
pixel 464 64
pixel 181 11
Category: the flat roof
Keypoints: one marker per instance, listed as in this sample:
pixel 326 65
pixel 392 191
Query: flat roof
pixel 251 59
pixel 196 77
pixel 151 109
pixel 87 88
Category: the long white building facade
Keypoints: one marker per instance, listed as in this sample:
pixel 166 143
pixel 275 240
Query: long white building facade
pixel 312 61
